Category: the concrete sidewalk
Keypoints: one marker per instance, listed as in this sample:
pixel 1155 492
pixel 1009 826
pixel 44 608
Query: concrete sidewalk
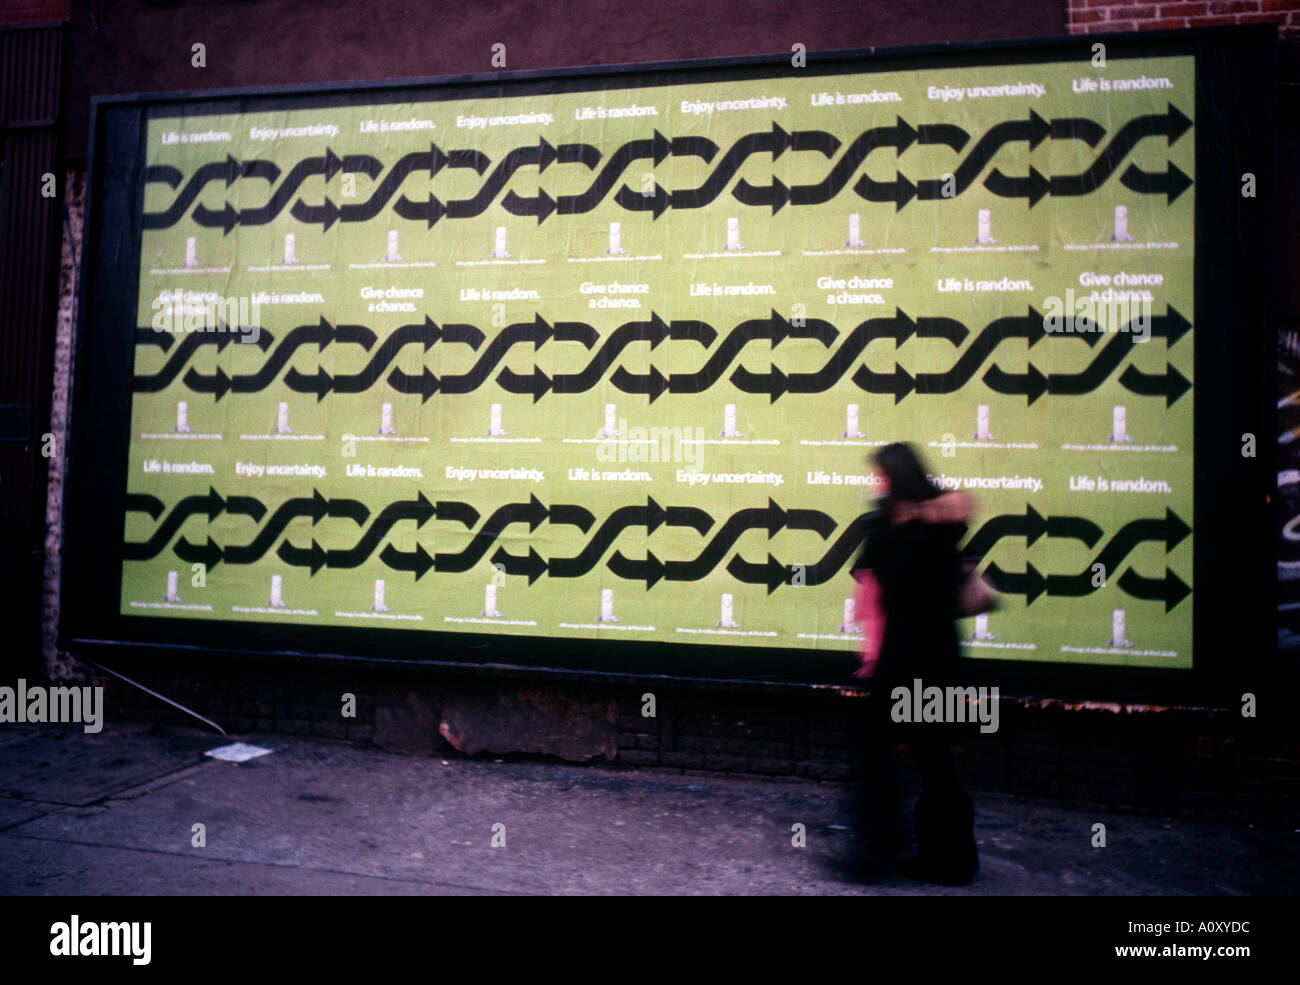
pixel 114 813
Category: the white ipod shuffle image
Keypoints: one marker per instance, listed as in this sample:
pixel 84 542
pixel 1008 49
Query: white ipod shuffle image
pixel 182 418
pixel 727 622
pixel 386 420
pixel 1121 235
pixel 851 423
pixel 500 252
pixel 849 626
pixel 981 630
pixel 392 256
pixel 490 603
pixel 1119 426
pixel 277 598
pixel 729 422
pixel 282 420
pixel 615 240
pixel 982 425
pixel 607 606
pixel 494 422
pixel 191 252
pixel 854 242
pixel 172 583
pixel 984 228
pixel 1117 637
pixel 379 605
pixel 733 235
pixel 610 430
pixel 290 257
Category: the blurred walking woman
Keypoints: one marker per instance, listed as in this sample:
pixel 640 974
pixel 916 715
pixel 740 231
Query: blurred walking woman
pixel 908 576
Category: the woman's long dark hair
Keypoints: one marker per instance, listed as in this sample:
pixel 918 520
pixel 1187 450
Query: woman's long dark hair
pixel 907 482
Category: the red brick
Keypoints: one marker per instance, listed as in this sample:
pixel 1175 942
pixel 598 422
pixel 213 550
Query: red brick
pixel 1087 16
pixel 1234 6
pixel 1280 5
pixel 1163 25
pixel 1183 10
pixel 1275 18
pixel 1143 13
pixel 1211 21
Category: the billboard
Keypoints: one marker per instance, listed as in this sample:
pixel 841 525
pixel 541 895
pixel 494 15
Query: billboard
pixel 599 359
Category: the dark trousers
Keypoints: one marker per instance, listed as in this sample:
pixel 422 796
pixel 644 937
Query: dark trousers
pixel 880 805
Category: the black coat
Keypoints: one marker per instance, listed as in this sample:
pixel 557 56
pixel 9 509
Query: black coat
pixel 919 570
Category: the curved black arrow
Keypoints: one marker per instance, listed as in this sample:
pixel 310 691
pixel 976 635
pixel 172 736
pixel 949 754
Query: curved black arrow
pixel 433 160
pixel 657 148
pixel 425 333
pixel 1028 326
pixel 227 171
pixel 532 513
pixel 320 334
pixel 536 331
pixel 1030 526
pixel 534 565
pixel 1171 124
pixel 417 561
pixel 418 509
pixel 539 155
pixel 1170 588
pixel 649 516
pixel 329 165
pixel 162 379
pixel 1171 529
pixel 1032 130
pixel 770 517
pixel 899 137
pixel 653 331
pixel 1171 385
pixel 774 328
pixel 314 506
pixel 774 142
pixel 210 503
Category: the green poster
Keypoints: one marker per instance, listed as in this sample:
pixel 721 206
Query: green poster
pixel 608 364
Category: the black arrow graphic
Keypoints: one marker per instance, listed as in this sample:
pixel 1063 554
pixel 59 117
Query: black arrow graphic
pixel 328 165
pixel 1171 385
pixel 536 331
pixel 417 561
pixel 1171 589
pixel 425 333
pixel 899 137
pixel 774 142
pixel 534 565
pixel 1028 327
pixel 320 334
pixel 771 517
pixel 1171 529
pixel 1029 583
pixel 657 148
pixel 211 503
pixel 418 509
pixel 774 328
pixel 314 506
pixel 1032 130
pixel 653 331
pixel 1172 183
pixel 532 513
pixel 227 171
pixel 162 379
pixel 539 155
pixel 1030 526
pixel 649 516
pixel 1171 124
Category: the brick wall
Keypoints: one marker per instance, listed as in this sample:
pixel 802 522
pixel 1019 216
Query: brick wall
pixel 17 12
pixel 1098 16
